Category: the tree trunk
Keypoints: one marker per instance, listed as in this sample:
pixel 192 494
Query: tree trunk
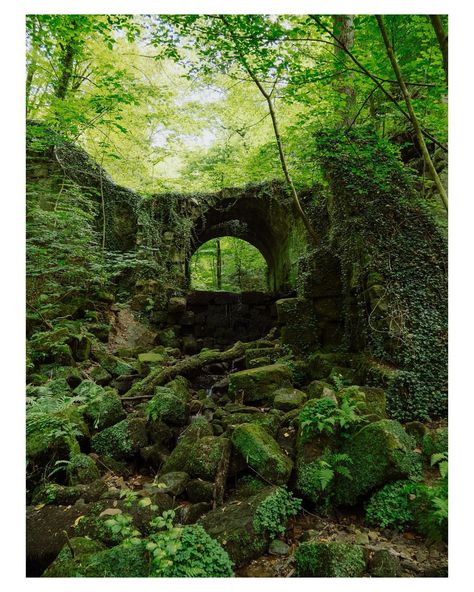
pixel 218 264
pixel 343 29
pixel 414 120
pixel 67 64
pixel 442 40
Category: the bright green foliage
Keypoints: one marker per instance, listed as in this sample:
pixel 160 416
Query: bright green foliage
pixel 121 440
pixel 273 513
pixel 316 477
pixel 390 507
pixel 324 416
pixel 242 266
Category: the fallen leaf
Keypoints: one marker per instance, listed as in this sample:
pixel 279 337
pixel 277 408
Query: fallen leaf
pixel 77 520
pixel 39 506
pixel 110 512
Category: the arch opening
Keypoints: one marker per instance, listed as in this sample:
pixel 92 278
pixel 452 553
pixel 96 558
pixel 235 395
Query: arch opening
pixel 228 263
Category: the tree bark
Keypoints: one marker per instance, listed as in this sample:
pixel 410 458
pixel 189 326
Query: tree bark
pixel 67 64
pixel 144 388
pixel 413 117
pixel 343 29
pixel 363 69
pixel 442 40
pixel 218 264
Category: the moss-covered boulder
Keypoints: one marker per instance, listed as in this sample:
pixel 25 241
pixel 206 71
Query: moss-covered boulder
pixel 269 421
pixel 121 561
pixel 254 355
pixel 173 483
pixel 259 384
pixel 316 389
pixel 114 365
pixel 374 399
pixel 67 565
pixel 381 452
pixel 64 495
pixel 199 490
pixel 329 560
pixel 81 469
pixel 201 458
pixel 122 440
pixel 287 399
pixel 435 442
pixel 168 406
pixel 238 528
pixel 179 456
pixel 103 407
pixel 262 453
pixel 100 375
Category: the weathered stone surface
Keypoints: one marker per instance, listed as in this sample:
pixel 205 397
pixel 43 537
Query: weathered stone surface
pixel 329 560
pixel 169 406
pixel 173 483
pixel 259 384
pixel 81 469
pixel 179 456
pixel 233 525
pixel 103 407
pixel 200 457
pixel 287 399
pixel 177 305
pixel 381 452
pixel 199 490
pixel 316 388
pixel 262 453
pixel 384 564
pixel 122 440
pixel 52 493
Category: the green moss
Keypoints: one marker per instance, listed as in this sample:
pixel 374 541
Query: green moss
pixel 329 560
pixel 81 469
pixel 390 506
pixel 381 452
pixel 122 440
pixel 67 566
pixel 103 407
pixel 167 406
pixel 262 453
pixel 206 455
pixel 287 399
pixel 259 384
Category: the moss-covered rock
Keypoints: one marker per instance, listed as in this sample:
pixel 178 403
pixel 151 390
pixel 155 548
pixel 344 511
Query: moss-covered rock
pixel 121 561
pixel 166 405
pixel 259 384
pixel 103 407
pixel 381 452
pixel 384 564
pixel 374 399
pixel 113 364
pixel 199 490
pixel 435 442
pixel 122 440
pixel 66 565
pixel 329 560
pixel 287 399
pixel 255 354
pixel 233 525
pixel 173 483
pixel 201 458
pixel 178 458
pixel 315 389
pixel 81 469
pixel 321 364
pixel 262 453
pixel 64 495
pixel 269 421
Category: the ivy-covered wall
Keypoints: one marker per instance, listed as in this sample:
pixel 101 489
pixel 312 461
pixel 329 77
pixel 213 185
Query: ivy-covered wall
pixel 393 257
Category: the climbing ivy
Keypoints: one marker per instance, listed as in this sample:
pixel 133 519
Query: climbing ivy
pixel 393 257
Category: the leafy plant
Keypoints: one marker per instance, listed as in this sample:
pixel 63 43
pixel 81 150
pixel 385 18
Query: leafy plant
pixel 391 507
pixel 273 513
pixel 317 477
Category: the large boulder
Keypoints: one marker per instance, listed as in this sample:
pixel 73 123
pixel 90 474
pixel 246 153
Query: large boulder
pixel 103 407
pixel 205 458
pixel 287 399
pixel 329 560
pixel 167 406
pixel 122 440
pixel 262 453
pixel 178 459
pixel 92 560
pixel 259 384
pixel 238 527
pixel 81 469
pixel 381 452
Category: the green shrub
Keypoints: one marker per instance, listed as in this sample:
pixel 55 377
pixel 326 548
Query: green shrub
pixel 273 513
pixel 316 477
pixel 390 506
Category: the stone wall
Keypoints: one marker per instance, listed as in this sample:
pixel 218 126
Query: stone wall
pixel 218 319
